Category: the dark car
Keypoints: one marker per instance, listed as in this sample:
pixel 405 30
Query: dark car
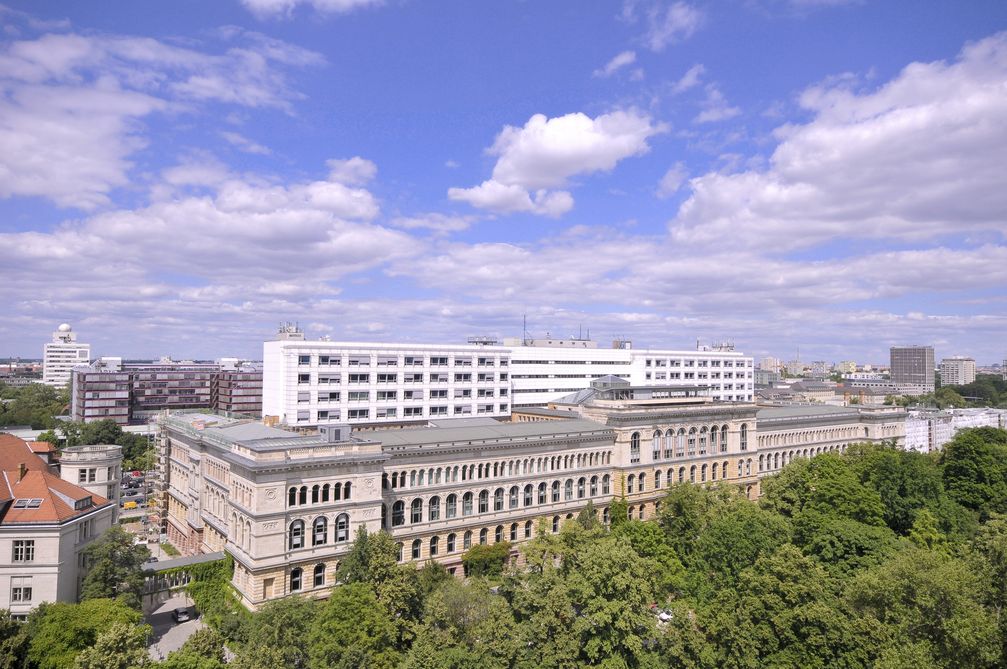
pixel 181 615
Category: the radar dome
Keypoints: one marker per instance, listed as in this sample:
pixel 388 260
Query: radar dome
pixel 64 327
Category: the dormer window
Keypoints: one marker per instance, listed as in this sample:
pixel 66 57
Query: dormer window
pixel 33 503
pixel 82 504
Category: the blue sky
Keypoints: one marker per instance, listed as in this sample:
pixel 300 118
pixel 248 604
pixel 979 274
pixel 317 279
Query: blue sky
pixel 178 178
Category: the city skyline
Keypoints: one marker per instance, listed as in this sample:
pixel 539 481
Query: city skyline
pixel 779 174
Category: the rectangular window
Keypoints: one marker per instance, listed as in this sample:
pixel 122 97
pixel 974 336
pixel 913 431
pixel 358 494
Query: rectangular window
pixel 359 413
pixel 359 396
pixel 462 410
pixel 303 397
pixel 438 378
pixel 390 412
pixel 329 397
pixel 465 392
pixel 82 476
pixel 503 407
pixel 388 378
pixel 24 550
pixel 463 362
pixel 329 379
pixel 387 395
pixel 304 360
pixel 20 590
pixel 359 360
pixel 304 378
pixel 486 362
pixel 329 360
pixel 360 378
pixel 414 378
pixel 438 411
pixel 439 394
pixel 485 377
pixel 412 360
pixel 436 361
pixel 412 394
pixel 460 378
pixel 412 411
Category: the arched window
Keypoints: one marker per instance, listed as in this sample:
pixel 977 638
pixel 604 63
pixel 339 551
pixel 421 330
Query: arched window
pixel 434 545
pixel 681 474
pixel 319 531
pixel 467 540
pixel 744 436
pixel 346 490
pixel 292 497
pixel 398 513
pixel 657 479
pixel 467 504
pixel 581 483
pixel 680 443
pixel 484 535
pixel 319 576
pixel 723 439
pixel 295 579
pixel 325 492
pixel 692 474
pixel 434 508
pixel 484 501
pixel 643 482
pixel 296 535
pixel 514 497
pixel 713 472
pixel 669 445
pixel 634 447
pixel 314 494
pixel 303 496
pixel 568 490
pixel 527 529
pixel 555 524
pixel 451 543
pixel 417 547
pixel 541 493
pixel 630 484
pixel 703 474
pixel 337 491
pixel 498 534
pixel 605 516
pixel 555 491
pixel 606 485
pixel 529 495
pixel 594 486
pixel 342 528
pixel 702 441
pixel 713 439
pixel 498 499
pixel 657 445
pixel 451 506
pixel 416 511
pixel 762 462
pixel 692 441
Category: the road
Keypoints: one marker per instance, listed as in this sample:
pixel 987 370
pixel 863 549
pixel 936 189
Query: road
pixel 167 635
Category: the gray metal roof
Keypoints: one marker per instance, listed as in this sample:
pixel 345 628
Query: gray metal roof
pixel 250 431
pixel 501 431
pixel 803 411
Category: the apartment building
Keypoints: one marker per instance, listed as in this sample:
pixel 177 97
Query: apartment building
pixel 912 369
pixel 61 355
pixel 957 370
pixel 308 383
pixel 131 393
pixel 46 522
pixel 287 505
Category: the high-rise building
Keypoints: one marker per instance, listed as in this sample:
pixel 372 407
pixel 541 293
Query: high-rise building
pixel 770 364
pixel 957 371
pixel 61 355
pixel 912 369
pixel 846 367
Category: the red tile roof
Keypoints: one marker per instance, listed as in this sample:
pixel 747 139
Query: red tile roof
pixel 24 476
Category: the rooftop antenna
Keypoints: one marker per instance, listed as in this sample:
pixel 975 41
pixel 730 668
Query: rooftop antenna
pixel 524 330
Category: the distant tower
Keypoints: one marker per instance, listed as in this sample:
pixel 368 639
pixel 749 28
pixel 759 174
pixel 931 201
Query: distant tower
pixel 61 355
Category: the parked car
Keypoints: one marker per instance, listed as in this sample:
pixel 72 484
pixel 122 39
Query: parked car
pixel 181 615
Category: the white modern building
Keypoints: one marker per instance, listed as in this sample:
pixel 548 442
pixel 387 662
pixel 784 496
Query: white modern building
pixel 929 430
pixel 61 355
pixel 309 383
pixel 957 371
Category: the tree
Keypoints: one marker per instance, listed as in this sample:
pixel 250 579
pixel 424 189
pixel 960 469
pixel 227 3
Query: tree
pixel 651 543
pixel 588 517
pixel 60 631
pixel 618 512
pixel 687 510
pixel 843 545
pixel 13 641
pixel 975 470
pixel 279 629
pixel 825 484
pixel 121 646
pixel 351 630
pixel 906 481
pixel 36 405
pixel 736 540
pixel 116 568
pixel 203 650
pixel 486 560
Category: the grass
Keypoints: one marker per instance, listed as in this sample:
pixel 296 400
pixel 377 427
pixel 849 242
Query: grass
pixel 170 550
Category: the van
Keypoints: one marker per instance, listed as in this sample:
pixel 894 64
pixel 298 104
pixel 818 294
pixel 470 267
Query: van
pixel 129 505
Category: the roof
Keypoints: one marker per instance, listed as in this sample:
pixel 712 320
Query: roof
pixel 40 447
pixel 24 476
pixel 426 436
pixel 802 411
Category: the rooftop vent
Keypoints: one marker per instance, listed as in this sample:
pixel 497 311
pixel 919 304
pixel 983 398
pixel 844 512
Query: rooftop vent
pixel 335 433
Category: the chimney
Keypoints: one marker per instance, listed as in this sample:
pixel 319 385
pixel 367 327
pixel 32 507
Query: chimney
pixel 22 469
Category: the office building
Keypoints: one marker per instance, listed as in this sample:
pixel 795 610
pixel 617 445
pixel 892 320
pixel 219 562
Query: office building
pixel 61 355
pixel 846 367
pixel 130 393
pixel 912 369
pixel 957 371
pixel 46 522
pixel 286 505
pixel 771 364
pixel 308 383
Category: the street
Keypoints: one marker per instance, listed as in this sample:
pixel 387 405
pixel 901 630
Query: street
pixel 167 635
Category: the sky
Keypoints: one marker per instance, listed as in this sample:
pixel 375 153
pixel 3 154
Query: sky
pixel 178 178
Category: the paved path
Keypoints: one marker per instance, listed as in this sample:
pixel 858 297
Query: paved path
pixel 168 635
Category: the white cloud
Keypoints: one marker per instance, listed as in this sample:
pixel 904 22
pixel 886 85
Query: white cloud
pixel 354 171
pixel 71 106
pixel 285 8
pixel 672 180
pixel 511 198
pixel 689 80
pixel 715 107
pixel 619 61
pixel 435 222
pixel 245 144
pixel 673 23
pixel 917 158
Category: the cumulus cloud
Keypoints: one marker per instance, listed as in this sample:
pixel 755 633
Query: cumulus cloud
pixel 72 106
pixel 618 62
pixel 545 153
pixel 435 222
pixel 284 8
pixel 672 180
pixel 917 158
pixel 354 171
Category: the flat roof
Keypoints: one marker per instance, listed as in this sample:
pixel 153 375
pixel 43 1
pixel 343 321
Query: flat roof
pixel 803 411
pixel 501 431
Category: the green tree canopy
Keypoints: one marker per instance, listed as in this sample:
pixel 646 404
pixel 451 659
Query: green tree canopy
pixel 353 630
pixel 60 631
pixel 116 568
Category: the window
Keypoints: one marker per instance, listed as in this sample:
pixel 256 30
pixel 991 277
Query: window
pixel 555 524
pixel 295 579
pixel 417 547
pixel 528 495
pixel 513 532
pixel 434 508
pixel 527 529
pixel 296 535
pixel 692 441
pixel 541 493
pixel 467 504
pixel 657 479
pixel 398 513
pixel 304 360
pixel 594 486
pixel 630 481
pixel 342 528
pixel 744 436
pixel 319 532
pixel 467 540
pixel 359 413
pixel 319 576
pixel 606 484
pixel 81 476
pixel 20 590
pixel 568 490
pixel 24 550
pixel 451 506
pixel 304 378
pixel 483 535
pixel 434 544
pixel 484 501
pixel 555 491
pixel 513 498
pixel 498 499
pixel 416 511
pixel 451 543
pixel 657 445
pixel 634 447
pixel 498 534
